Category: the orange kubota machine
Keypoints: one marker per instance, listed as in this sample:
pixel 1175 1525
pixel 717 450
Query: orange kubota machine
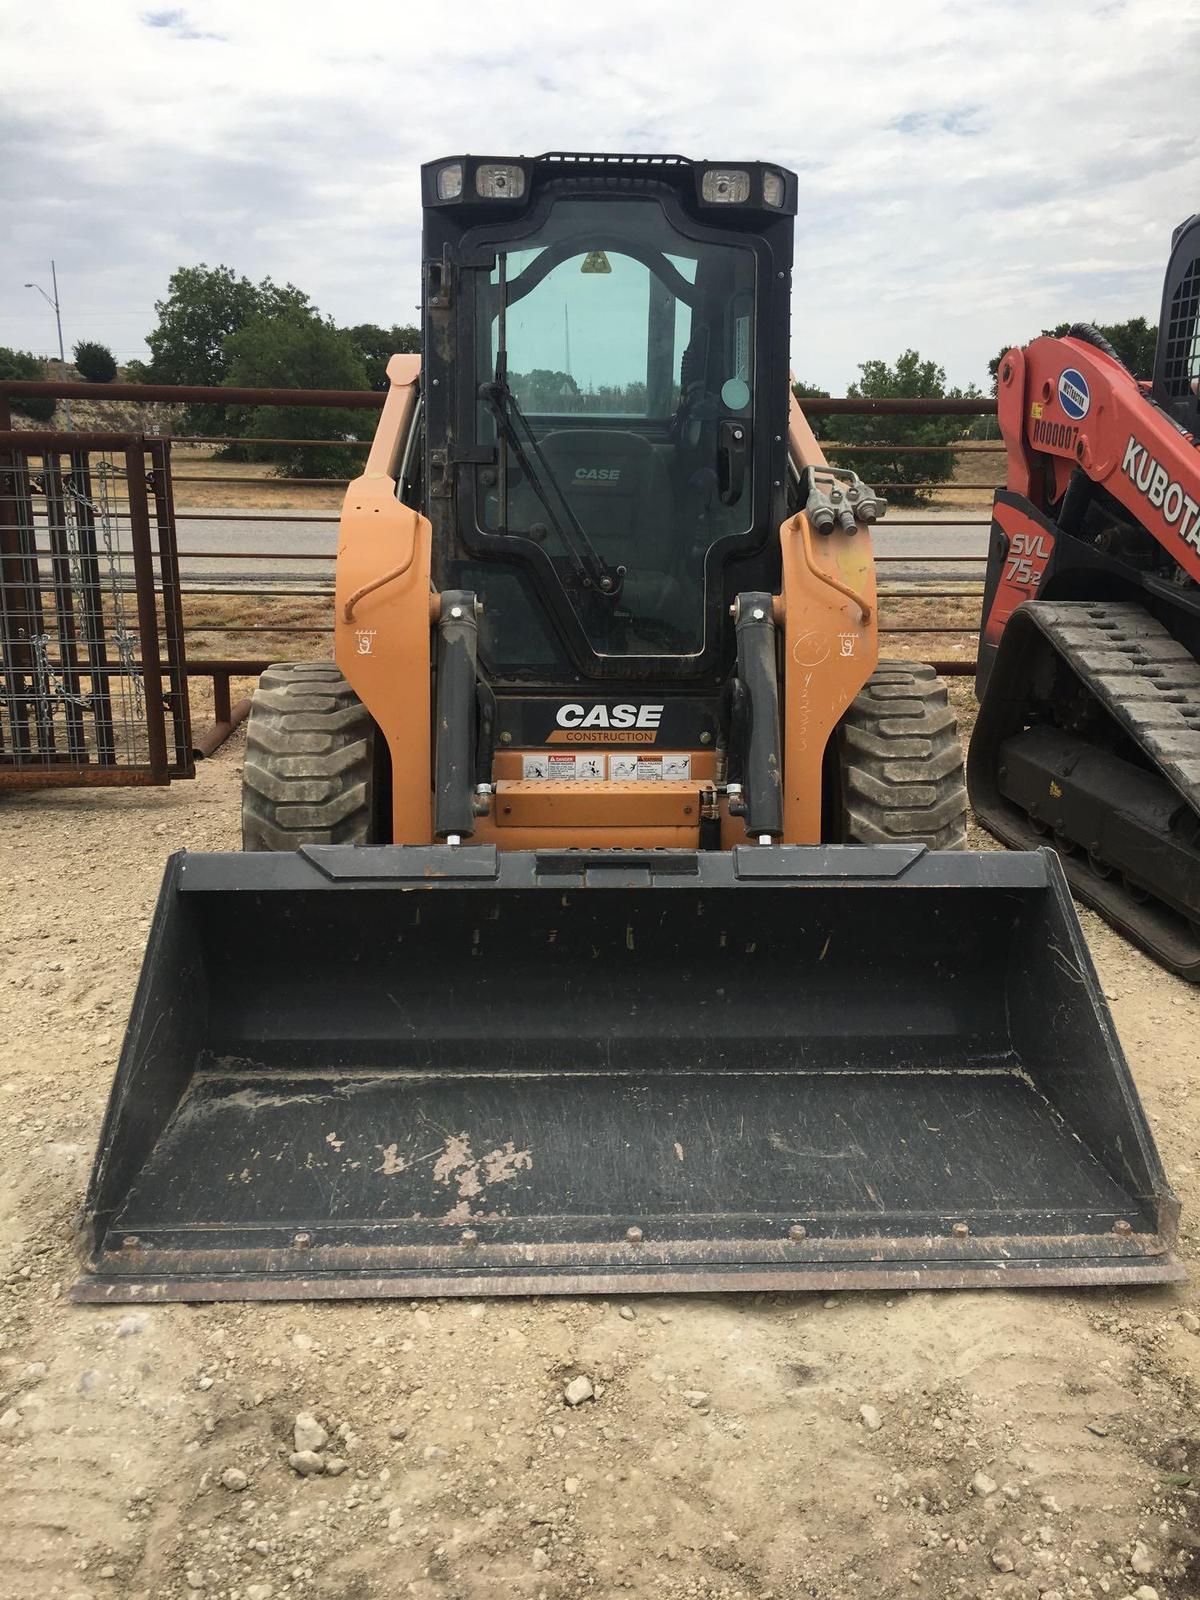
pixel 1089 661
pixel 604 917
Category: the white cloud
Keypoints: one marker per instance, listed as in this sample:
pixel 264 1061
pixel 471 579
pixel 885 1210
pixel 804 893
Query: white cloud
pixel 969 171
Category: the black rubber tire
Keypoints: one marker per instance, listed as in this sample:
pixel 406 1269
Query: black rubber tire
pixel 900 762
pixel 310 774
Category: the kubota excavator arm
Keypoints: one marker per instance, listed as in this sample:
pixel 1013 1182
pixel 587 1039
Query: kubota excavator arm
pixel 1069 400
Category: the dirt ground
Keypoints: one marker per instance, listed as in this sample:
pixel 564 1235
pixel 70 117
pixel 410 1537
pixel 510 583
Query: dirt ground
pixel 752 1448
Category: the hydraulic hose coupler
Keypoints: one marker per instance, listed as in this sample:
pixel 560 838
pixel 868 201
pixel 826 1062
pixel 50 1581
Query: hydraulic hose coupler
pixel 820 511
pixel 846 519
pixel 868 506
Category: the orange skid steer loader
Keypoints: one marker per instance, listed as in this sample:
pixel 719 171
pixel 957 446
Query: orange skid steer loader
pixel 604 916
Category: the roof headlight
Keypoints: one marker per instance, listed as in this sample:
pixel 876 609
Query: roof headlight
pixel 450 181
pixel 498 180
pixel 725 185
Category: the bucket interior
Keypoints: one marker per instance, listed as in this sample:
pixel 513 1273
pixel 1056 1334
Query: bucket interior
pixel 613 1079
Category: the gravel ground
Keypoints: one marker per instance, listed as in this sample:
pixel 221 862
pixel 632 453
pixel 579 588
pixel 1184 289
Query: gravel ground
pixel 941 1445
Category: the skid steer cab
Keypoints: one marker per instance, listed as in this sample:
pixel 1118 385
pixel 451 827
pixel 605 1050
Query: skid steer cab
pixel 570 529
pixel 604 913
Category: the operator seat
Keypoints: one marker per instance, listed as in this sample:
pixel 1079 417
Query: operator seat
pixel 618 486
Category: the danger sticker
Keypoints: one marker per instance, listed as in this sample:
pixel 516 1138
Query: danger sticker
pixel 650 769
pixel 563 769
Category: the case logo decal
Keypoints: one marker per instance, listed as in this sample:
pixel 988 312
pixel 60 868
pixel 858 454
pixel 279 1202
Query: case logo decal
pixel 574 715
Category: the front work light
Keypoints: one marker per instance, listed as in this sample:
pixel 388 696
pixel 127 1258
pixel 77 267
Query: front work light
pixel 773 188
pixel 500 181
pixel 450 181
pixel 728 184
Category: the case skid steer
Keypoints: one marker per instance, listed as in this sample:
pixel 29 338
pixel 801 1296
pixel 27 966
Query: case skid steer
pixel 604 918
pixel 1089 660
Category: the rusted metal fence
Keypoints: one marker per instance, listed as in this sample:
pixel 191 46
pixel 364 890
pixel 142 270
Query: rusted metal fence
pixel 271 561
pixel 93 688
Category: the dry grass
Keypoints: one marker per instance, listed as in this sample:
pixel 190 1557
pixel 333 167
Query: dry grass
pixel 224 627
pixel 258 625
pixel 254 486
pixel 925 620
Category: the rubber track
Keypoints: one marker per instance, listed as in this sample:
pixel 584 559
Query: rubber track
pixel 1143 677
pixel 902 761
pixel 308 774
pixel 1150 685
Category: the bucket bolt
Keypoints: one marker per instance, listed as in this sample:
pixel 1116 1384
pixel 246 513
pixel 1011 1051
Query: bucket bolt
pixel 960 1230
pixel 301 1241
pixel 1122 1227
pixel 797 1231
pixel 634 1235
pixel 468 1238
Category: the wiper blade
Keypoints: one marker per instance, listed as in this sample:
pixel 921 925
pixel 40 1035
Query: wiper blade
pixel 586 559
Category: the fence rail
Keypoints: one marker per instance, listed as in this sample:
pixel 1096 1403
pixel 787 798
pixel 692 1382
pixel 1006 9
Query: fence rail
pixel 372 399
pixel 270 569
pixel 191 394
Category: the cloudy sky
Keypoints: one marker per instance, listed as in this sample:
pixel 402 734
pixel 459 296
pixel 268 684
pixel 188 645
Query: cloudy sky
pixel 969 171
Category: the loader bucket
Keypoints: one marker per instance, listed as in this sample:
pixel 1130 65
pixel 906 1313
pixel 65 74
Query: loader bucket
pixel 431 1071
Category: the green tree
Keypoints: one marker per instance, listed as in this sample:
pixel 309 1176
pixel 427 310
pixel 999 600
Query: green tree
pixel 20 364
pixel 911 377
pixel 94 362
pixel 605 399
pixel 204 307
pixel 296 348
pixel 809 391
pixel 1133 340
pixel 543 391
pixel 376 346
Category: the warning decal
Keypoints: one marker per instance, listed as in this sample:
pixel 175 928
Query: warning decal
pixel 650 769
pixel 629 768
pixel 564 769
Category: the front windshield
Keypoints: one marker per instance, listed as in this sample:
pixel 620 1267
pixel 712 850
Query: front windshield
pixel 622 404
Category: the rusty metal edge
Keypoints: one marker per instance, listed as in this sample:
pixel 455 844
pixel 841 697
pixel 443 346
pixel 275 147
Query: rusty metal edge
pixel 194 394
pixel 91 1289
pixel 75 777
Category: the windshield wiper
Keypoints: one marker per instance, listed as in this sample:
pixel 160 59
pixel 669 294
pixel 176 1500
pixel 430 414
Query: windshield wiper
pixel 511 422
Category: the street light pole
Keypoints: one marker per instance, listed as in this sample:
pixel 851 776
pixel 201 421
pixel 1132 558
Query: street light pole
pixel 53 301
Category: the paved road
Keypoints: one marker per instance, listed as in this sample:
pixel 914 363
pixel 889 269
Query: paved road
pixel 305 534
pixel 311 534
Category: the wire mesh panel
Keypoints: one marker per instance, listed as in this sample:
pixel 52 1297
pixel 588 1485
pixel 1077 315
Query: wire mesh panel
pixel 93 682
